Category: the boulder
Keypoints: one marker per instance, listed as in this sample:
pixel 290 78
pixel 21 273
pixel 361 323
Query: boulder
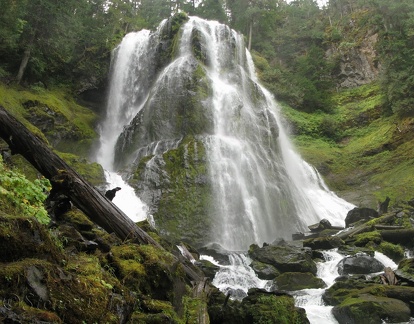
pixel 359 264
pixel 264 271
pixel 323 243
pixel 296 281
pixel 285 258
pixel 323 224
pixel 360 214
pixel 369 309
pixel 405 271
pixel 209 269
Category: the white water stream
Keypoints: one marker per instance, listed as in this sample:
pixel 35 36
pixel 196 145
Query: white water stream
pixel 238 277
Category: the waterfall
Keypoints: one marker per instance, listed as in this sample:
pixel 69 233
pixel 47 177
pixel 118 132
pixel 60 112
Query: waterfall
pixel 127 92
pixel 261 188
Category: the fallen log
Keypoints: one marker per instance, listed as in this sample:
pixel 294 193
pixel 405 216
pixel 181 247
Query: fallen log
pixel 366 227
pixel 398 236
pixel 388 227
pixel 84 196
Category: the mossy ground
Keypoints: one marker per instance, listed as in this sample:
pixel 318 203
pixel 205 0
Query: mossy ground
pixel 363 155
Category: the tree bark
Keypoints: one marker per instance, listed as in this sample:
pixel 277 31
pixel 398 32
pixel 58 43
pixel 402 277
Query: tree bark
pixel 23 65
pixel 84 196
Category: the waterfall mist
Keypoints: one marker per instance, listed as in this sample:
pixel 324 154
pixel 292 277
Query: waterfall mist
pixel 261 188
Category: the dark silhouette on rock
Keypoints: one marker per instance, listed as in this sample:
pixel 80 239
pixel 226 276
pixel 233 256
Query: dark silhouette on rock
pixel 110 194
pixel 383 206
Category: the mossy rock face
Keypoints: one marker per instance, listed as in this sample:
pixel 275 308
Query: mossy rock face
pixel 155 311
pixel 67 126
pixel 145 269
pixel 285 258
pixel 264 271
pixel 297 280
pixel 177 187
pixel 90 171
pixel 22 237
pixel 258 307
pixel 36 289
pixel 371 309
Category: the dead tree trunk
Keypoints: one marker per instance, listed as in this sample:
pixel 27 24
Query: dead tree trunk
pixel 84 196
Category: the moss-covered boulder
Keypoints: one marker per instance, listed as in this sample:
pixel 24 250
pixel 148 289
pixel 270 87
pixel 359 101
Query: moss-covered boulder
pixel 284 258
pixel 264 271
pixel 405 270
pixel 298 280
pixel 323 243
pixel 258 307
pixel 369 309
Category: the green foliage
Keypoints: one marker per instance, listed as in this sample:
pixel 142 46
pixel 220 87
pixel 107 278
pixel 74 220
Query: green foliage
pixel 23 196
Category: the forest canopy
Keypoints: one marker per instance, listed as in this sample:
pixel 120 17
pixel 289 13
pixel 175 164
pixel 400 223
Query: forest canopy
pixel 51 42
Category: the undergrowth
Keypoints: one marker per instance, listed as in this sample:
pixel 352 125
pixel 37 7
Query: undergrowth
pixel 18 195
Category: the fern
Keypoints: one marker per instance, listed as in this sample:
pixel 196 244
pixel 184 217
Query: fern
pixel 19 195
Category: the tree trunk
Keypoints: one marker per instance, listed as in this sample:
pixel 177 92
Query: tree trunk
pixel 23 65
pixel 84 196
pixel 250 36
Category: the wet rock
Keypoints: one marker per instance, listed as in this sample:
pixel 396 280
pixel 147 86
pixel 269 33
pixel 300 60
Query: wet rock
pixel 208 268
pixel 323 224
pixel 323 243
pixel 217 252
pixel 297 280
pixel 359 264
pixel 369 309
pixel 360 214
pixel 259 306
pixel 36 280
pixel 284 258
pixel 264 271
pixel 405 271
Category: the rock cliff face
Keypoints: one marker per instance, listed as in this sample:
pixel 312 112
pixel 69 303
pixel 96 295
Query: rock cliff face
pixel 358 63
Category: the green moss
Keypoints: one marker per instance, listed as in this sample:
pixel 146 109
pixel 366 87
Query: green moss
pixel 22 237
pixel 185 188
pixel 368 157
pixel 364 238
pixel 269 308
pixel 92 172
pixel 144 268
pixel 54 112
pixel 296 281
pixel 192 309
pixel 393 251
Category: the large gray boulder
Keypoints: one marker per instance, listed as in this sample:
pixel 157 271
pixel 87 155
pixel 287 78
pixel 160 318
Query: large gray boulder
pixel 360 214
pixel 359 264
pixel 284 258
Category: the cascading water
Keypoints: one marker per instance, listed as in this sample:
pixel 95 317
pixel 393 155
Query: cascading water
pixel 205 100
pixel 127 93
pixel 262 189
